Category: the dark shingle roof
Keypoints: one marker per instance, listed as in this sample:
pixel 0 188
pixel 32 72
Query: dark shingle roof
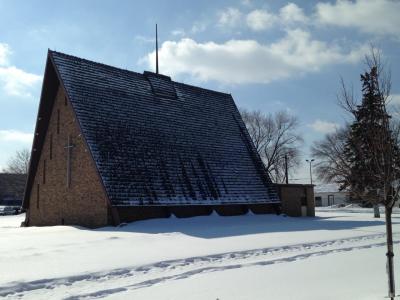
pixel 160 142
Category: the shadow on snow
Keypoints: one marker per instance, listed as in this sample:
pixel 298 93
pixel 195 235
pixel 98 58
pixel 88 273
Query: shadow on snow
pixel 215 226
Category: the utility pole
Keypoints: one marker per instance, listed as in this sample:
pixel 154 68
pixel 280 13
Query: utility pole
pixel 286 169
pixel 310 162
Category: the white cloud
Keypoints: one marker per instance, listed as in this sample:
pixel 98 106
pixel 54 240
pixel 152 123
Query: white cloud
pixel 5 51
pixel 291 14
pixel 144 39
pixel 178 32
pixel 324 126
pixel 371 16
pixel 246 2
pixel 377 17
pixel 260 20
pixel 248 61
pixel 16 136
pixel 14 81
pixel 198 27
pixel 17 82
pixel 230 17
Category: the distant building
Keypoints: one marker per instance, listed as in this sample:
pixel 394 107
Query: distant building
pixel 329 194
pixel 297 199
pixel 12 189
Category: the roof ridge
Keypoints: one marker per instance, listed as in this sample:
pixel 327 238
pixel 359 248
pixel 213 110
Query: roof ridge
pixel 94 62
pixel 134 72
pixel 201 88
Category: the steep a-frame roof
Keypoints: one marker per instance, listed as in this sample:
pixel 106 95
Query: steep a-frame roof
pixel 155 141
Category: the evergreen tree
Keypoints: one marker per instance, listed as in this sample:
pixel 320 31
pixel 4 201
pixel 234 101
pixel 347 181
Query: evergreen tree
pixel 364 157
pixel 374 157
pixel 370 149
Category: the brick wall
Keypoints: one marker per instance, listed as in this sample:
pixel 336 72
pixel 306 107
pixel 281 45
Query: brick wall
pixel 84 202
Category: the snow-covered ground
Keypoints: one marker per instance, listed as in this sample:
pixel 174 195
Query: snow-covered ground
pixel 340 254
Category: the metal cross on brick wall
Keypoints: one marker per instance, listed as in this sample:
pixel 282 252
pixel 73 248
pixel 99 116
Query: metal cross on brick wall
pixel 69 147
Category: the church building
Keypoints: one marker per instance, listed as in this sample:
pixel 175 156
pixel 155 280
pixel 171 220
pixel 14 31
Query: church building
pixel 113 146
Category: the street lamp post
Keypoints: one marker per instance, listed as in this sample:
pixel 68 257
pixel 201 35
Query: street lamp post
pixel 310 162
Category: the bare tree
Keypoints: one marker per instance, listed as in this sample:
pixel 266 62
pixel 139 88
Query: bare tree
pixel 276 139
pixel 331 163
pixel 19 163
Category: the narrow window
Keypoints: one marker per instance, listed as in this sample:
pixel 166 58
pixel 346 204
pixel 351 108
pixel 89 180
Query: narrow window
pixel 44 171
pixel 51 146
pixel 69 147
pixel 37 196
pixel 65 101
pixel 58 121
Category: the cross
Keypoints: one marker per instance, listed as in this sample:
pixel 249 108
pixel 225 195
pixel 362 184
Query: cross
pixel 69 147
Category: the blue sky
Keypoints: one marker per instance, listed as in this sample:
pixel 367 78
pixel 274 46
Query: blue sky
pixel 270 55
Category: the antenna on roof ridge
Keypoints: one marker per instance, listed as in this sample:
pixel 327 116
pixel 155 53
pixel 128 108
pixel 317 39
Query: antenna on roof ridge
pixel 156 50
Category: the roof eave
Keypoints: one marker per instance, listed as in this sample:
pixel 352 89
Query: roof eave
pixel 37 135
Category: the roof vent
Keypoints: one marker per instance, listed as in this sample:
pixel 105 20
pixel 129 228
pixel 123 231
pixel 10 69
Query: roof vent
pixel 161 85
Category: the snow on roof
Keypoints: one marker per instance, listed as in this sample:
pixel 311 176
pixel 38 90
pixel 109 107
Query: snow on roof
pixel 159 142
